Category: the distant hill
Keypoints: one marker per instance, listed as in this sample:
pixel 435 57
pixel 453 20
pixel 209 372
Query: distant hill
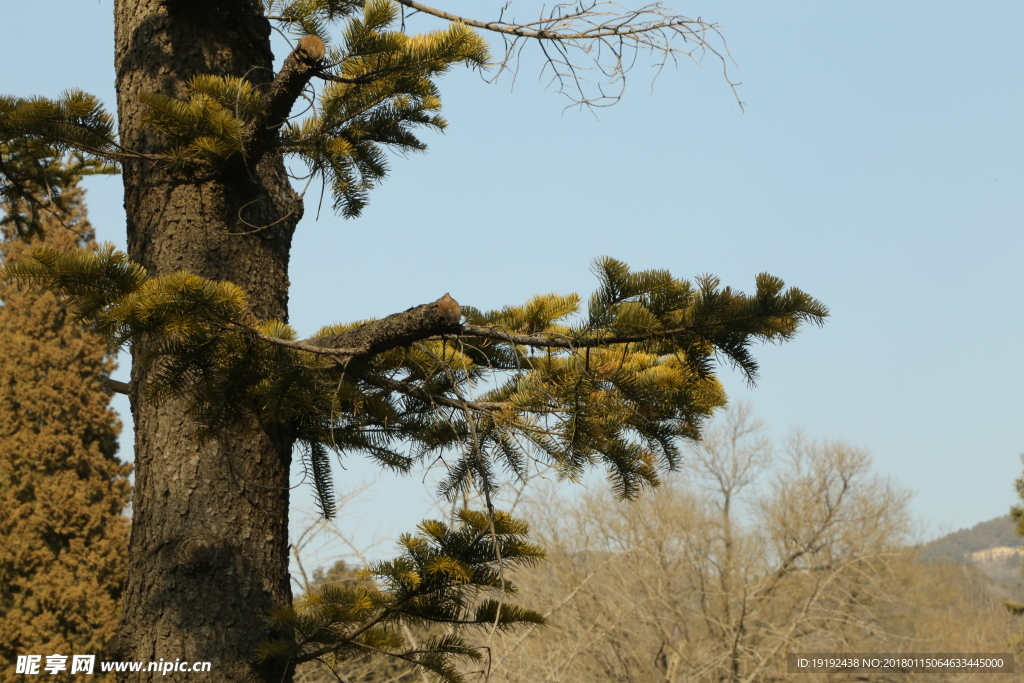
pixel 995 533
pixel 993 547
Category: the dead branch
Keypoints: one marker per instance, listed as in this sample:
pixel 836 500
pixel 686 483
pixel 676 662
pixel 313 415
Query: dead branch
pixel 604 34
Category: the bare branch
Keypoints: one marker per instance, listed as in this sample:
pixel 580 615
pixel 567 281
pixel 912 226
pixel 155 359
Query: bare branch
pixel 606 34
pixel 117 387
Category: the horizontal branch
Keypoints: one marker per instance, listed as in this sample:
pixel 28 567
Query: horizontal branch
pixel 497 26
pixel 305 346
pixel 612 28
pixel 441 317
pixel 542 342
pixel 117 387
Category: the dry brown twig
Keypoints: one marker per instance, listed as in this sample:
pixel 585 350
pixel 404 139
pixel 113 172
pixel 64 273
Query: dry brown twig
pixel 604 33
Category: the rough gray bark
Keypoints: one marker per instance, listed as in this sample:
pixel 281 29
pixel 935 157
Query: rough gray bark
pixel 208 552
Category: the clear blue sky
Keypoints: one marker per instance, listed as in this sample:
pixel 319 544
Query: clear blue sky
pixel 878 166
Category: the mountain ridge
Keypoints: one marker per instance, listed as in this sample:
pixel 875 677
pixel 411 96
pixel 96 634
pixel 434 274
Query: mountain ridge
pixel 992 547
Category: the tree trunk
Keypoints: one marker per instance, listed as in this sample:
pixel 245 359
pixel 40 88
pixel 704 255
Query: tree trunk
pixel 209 548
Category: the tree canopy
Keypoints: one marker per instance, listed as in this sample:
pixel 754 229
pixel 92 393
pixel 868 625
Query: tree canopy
pixel 62 487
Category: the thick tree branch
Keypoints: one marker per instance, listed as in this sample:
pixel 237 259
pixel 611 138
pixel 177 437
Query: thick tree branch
pixel 117 387
pixel 399 329
pixel 277 102
pixel 441 319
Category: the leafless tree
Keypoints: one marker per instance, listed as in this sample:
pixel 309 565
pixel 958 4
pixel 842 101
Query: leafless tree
pixel 743 558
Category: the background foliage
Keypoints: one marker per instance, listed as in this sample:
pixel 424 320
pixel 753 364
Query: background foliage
pixel 62 488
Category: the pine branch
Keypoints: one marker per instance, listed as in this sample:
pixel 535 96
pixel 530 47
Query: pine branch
pixel 376 337
pixel 424 395
pixel 440 573
pixel 380 615
pixel 399 329
pixel 541 341
pixel 298 68
pixel 306 346
pixel 420 323
pixel 620 388
pixel 362 79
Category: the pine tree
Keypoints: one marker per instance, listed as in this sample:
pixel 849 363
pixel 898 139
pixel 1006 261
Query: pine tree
pixel 223 390
pixel 62 488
